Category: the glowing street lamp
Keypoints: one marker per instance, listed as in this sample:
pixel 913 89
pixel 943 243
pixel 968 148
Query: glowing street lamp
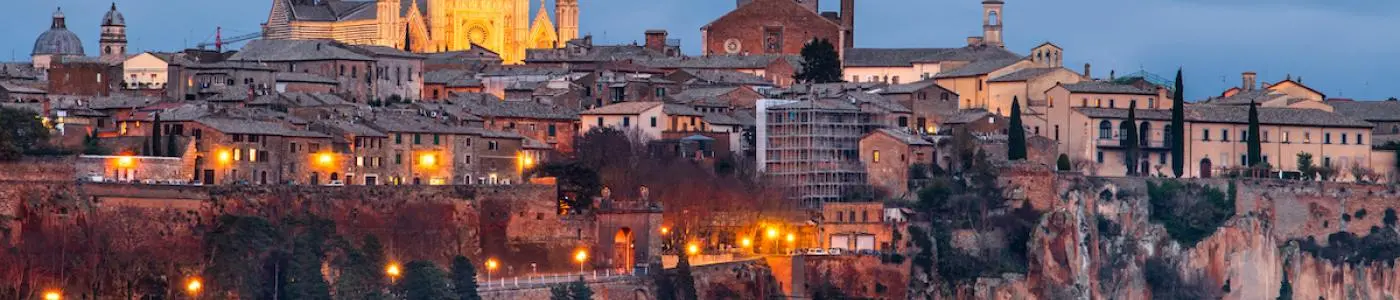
pixel 427 160
pixel 581 256
pixel 746 242
pixel 194 286
pixel 52 295
pixel 791 238
pixel 491 265
pixel 325 159
pixel 692 249
pixel 225 157
pixel 393 271
pixel 665 230
pixel 772 233
pixel 125 161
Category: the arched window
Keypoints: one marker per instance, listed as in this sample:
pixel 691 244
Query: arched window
pixel 1105 130
pixel 1123 130
pixel 1143 136
pixel 993 18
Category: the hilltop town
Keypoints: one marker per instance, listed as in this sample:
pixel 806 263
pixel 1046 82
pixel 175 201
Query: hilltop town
pixel 435 149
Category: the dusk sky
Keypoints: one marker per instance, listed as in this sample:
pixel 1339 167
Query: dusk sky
pixel 1347 49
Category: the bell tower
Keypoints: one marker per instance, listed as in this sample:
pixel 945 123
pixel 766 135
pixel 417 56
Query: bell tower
pixel 566 11
pixel 991 23
pixel 113 42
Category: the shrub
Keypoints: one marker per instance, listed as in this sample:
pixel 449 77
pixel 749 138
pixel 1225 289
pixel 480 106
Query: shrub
pixel 1063 163
pixel 1190 212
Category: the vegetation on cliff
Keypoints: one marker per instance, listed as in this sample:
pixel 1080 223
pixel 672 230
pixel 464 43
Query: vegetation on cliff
pixel 1167 283
pixel 1190 212
pixel 1381 245
pixel 969 199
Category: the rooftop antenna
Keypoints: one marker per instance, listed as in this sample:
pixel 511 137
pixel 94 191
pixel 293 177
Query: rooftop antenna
pixel 219 39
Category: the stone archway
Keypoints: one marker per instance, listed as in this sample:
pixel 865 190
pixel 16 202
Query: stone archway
pixel 624 245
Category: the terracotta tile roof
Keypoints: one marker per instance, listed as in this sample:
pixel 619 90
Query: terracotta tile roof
pixel 1102 87
pixel 296 50
pixel 304 77
pixel 904 137
pixel 977 68
pixel 249 126
pixel 1023 75
pixel 487 105
pixel 624 108
pixel 1234 114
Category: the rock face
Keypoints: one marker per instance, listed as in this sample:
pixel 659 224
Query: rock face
pixel 1096 236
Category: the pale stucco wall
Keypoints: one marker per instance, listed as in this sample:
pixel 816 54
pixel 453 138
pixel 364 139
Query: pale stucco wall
pixel 145 69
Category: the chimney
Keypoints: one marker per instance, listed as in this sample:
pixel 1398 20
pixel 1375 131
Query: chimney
pixel 974 41
pixel 1088 71
pixel 656 40
pixel 848 20
pixel 1247 81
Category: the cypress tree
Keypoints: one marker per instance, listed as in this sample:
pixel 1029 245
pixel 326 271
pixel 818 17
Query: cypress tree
pixel 1178 134
pixel 1130 141
pixel 170 146
pixel 155 136
pixel 685 281
pixel 1016 143
pixel 464 279
pixel 1255 150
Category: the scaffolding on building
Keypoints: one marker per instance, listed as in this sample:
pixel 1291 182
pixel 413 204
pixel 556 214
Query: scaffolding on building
pixel 814 149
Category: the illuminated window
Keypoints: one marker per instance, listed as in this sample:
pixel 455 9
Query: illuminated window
pixel 252 154
pixel 876 155
pixel 237 154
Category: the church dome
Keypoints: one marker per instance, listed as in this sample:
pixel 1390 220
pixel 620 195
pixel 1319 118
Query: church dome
pixel 113 17
pixel 58 40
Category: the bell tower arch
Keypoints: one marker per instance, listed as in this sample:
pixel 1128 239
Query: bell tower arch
pixel 992 19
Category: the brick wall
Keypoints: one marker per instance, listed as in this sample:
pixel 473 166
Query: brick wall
pixel 751 23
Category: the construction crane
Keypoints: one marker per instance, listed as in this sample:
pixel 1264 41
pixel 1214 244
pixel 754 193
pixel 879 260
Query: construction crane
pixel 219 41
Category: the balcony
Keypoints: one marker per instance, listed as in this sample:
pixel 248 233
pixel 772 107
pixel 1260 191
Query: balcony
pixel 1149 145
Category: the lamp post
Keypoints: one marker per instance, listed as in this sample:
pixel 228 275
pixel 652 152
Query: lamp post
pixel 193 287
pixel 393 271
pixel 491 265
pixel 53 295
pixel 581 256
pixel 792 241
pixel 773 236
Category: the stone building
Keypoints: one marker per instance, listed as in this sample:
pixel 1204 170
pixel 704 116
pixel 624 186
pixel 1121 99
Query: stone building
pixel 354 71
pixel 646 121
pixel 502 26
pixel 856 226
pixel 242 150
pixel 888 155
pixel 929 103
pixel 778 69
pixel 813 147
pixel 555 126
pixel 777 27
pixel 396 72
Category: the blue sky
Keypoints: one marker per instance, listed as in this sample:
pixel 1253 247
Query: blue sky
pixel 1342 48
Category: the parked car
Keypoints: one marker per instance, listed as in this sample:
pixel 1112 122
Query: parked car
pixel 816 251
pixel 335 183
pixel 868 252
pixel 835 251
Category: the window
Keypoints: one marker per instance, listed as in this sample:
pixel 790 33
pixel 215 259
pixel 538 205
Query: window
pixel 864 216
pixel 398 138
pixel 1327 138
pixel 1307 137
pixel 492 145
pixel 876 155
pixel 1162 159
pixel 1265 138
pixel 944 97
pixel 1285 137
pixel 653 122
pixel 626 121
pixel 237 154
pixel 417 139
pixel 292 148
pixel 253 155
pixel 1224 135
pixel 1057 132
pixel 1244 136
pixel 1205 135
pixel 1100 157
pixel 398 158
pixel 903 122
pixel 436 139
pixel 252 138
pixel 1105 130
pixel 1084 102
pixel 1152 103
pixel 660 92
pixel 1344 139
pixel 237 138
pixel 855 78
pixel 315 147
pixel 1244 160
pixel 553 131
pixel 1359 139
pixel 1327 161
pixel 600 121
pixel 342 70
pixel 1112 103
pixel 979 84
pixel 895 79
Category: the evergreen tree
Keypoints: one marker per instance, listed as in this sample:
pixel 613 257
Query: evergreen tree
pixel 685 281
pixel 1016 145
pixel 302 277
pixel 1285 290
pixel 1306 169
pixel 820 63
pixel 579 290
pixel 374 256
pixel 171 148
pixel 358 276
pixel 236 248
pixel 1255 154
pixel 1178 132
pixel 560 292
pixel 423 280
pixel 1063 164
pixel 155 136
pixel 93 146
pixel 20 132
pixel 1130 141
pixel 464 278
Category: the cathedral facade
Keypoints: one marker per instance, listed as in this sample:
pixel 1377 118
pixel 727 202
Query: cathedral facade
pixel 501 26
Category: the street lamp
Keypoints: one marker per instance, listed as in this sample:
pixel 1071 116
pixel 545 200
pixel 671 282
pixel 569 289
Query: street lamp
pixel 427 160
pixel 194 286
pixel 125 161
pixel 581 256
pixel 692 249
pixel 746 242
pixel 490 268
pixel 325 159
pixel 665 230
pixel 773 236
pixel 393 271
pixel 52 295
